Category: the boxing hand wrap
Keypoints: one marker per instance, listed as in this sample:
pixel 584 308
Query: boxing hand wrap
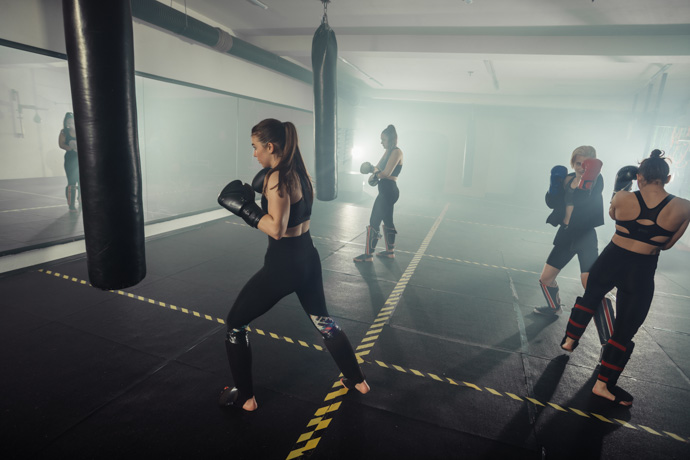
pixel 258 181
pixel 558 174
pixel 366 168
pixel 238 198
pixel 624 178
pixel 592 167
pixel 373 179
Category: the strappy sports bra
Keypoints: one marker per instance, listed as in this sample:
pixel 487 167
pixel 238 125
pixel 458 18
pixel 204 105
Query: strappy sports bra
pixel 645 233
pixel 300 211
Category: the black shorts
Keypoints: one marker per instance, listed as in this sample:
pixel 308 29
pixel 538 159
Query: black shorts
pixel 566 246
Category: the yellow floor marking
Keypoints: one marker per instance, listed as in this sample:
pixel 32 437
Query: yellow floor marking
pixel 472 385
pixel 649 430
pixel 516 397
pixel 398 368
pixel 625 424
pixel 602 418
pixel 298 452
pixel 335 394
pixel 436 377
pixel 675 436
pixel 494 392
pixel 579 412
pixel 534 401
pixel 314 421
pixel 557 407
pixel 416 372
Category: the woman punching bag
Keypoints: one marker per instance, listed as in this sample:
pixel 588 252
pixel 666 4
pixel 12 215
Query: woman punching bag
pixel 324 60
pixel 100 55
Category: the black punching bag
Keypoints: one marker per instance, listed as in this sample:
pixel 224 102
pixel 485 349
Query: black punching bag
pixel 100 54
pixel 324 60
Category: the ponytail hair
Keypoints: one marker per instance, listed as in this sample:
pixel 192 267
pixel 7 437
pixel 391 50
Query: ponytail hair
pixel 655 168
pixel 292 172
pixel 68 116
pixel 392 136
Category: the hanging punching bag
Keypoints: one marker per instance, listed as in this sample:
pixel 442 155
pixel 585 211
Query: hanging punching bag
pixel 324 60
pixel 100 54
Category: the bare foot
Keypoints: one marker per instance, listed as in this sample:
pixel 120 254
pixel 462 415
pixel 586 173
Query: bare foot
pixel 363 387
pixel 568 345
pixel 600 389
pixel 250 405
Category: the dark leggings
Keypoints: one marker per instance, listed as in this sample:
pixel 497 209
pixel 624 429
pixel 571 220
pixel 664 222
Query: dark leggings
pixel 633 275
pixel 383 205
pixel 290 265
pixel 72 167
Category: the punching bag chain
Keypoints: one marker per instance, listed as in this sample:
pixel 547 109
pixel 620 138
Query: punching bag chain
pixel 324 20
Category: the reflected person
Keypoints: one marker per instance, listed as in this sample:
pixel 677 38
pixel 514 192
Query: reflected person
pixel 68 142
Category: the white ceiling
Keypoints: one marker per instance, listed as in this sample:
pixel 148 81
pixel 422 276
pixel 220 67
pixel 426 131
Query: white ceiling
pixel 567 53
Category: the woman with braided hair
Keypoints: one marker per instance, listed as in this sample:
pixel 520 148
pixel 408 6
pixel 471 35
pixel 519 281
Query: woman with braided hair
pixel 647 221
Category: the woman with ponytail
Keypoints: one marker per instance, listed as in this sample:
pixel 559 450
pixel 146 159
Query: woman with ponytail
pixel 385 174
pixel 647 221
pixel 291 263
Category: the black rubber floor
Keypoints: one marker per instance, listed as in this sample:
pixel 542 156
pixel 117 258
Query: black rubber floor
pixel 458 364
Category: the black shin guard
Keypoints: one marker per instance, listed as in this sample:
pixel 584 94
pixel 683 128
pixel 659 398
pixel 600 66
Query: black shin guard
pixel 613 379
pixel 70 194
pixel 389 238
pixel 339 347
pixel 341 350
pixel 373 237
pixel 580 316
pixel 240 360
pixel 604 317
pixel 613 361
pixel 553 299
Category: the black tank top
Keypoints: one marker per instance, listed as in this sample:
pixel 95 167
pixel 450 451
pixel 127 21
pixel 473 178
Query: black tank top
pixel 300 211
pixel 384 162
pixel 645 233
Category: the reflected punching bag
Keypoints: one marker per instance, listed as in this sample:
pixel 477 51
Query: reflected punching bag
pixel 324 60
pixel 100 54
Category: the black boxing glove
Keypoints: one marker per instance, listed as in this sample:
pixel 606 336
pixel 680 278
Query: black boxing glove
pixel 258 181
pixel 624 178
pixel 558 174
pixel 238 198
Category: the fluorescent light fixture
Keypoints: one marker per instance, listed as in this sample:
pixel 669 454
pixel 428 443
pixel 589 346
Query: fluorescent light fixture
pixel 258 3
pixel 360 71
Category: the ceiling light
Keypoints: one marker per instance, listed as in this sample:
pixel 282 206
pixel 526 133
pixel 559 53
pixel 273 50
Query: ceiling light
pixel 258 3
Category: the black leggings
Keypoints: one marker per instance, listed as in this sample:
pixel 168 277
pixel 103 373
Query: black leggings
pixel 72 167
pixel 290 265
pixel 633 275
pixel 383 205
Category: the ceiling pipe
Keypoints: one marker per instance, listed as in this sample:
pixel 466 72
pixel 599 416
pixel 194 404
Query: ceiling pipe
pixel 170 19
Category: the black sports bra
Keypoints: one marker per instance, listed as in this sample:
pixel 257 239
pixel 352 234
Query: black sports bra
pixel 645 233
pixel 398 167
pixel 300 211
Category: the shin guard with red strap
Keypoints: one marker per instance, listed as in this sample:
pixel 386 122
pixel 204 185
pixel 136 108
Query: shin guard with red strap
pixel 389 237
pixel 373 237
pixel 580 316
pixel 613 361
pixel 604 317
pixel 553 299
